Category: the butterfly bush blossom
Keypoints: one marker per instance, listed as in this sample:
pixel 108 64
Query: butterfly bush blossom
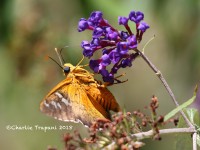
pixel 117 47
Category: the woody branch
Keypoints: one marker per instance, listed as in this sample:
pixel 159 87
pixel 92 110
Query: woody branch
pixel 160 76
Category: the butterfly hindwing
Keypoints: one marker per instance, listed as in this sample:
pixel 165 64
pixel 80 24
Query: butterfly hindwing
pixel 103 97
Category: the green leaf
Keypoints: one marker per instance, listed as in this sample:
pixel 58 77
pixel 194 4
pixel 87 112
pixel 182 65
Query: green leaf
pixel 184 141
pixel 184 105
pixel 193 115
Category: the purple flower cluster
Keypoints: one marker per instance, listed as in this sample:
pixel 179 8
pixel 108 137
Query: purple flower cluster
pixel 117 46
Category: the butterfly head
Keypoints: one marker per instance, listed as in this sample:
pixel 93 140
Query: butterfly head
pixel 67 68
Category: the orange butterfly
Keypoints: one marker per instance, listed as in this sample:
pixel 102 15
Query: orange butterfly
pixel 79 97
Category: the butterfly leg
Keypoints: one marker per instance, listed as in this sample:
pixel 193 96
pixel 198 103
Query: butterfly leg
pixel 105 84
pixel 120 75
pixel 119 81
pixel 84 65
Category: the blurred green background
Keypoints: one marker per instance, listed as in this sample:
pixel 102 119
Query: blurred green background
pixel 31 29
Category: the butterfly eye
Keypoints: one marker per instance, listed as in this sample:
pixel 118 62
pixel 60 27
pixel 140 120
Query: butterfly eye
pixel 67 69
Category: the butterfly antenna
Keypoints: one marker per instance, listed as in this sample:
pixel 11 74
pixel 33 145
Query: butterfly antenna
pixel 80 61
pixel 56 62
pixel 148 43
pixel 59 56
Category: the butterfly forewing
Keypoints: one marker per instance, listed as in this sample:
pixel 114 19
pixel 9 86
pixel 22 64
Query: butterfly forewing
pixel 70 102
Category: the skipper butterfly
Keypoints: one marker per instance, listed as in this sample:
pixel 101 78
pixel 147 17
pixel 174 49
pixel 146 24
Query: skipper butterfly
pixel 79 97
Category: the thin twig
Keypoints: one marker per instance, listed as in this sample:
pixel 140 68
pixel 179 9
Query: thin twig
pixel 160 76
pixel 194 139
pixel 148 134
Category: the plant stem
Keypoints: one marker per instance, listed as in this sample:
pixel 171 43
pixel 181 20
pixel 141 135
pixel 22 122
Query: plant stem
pixel 160 76
pixel 194 138
pixel 148 134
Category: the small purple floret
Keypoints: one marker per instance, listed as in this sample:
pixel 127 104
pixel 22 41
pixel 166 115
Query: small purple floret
pixel 94 65
pixel 124 35
pixel 95 43
pixel 96 16
pixel 132 42
pixel 143 26
pixel 98 32
pixel 122 21
pixel 114 56
pixel 82 25
pixel 107 77
pixel 105 60
pixel 122 48
pixel 87 50
pixel 136 16
pixel 126 63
